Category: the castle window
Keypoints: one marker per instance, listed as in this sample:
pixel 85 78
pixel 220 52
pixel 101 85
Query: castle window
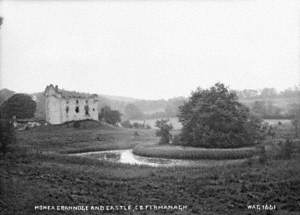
pixel 67 109
pixel 86 108
pixel 77 101
pixel 93 109
pixel 67 101
pixel 86 101
pixel 77 109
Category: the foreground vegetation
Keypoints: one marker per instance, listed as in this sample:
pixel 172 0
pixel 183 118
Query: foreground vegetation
pixel 36 172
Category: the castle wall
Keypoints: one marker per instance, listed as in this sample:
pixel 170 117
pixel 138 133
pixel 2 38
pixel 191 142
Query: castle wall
pixel 60 109
pixel 71 110
pixel 53 110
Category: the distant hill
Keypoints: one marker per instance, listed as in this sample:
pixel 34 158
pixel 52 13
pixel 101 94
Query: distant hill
pixel 280 102
pixel 118 98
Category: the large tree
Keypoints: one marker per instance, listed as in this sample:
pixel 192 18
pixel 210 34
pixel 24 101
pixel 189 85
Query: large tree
pixel 20 105
pixel 5 94
pixel 110 116
pixel 214 118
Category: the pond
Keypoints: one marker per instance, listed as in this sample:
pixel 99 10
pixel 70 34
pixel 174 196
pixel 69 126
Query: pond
pixel 127 157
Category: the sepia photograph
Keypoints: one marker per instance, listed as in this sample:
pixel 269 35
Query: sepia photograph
pixel 149 107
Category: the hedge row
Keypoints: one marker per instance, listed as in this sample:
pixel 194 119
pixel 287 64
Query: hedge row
pixel 191 153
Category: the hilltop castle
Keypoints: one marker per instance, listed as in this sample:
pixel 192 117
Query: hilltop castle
pixel 62 106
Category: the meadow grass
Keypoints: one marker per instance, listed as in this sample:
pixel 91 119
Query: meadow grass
pixel 64 139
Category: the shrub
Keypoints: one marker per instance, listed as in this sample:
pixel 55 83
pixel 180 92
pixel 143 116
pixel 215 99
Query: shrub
pixel 214 118
pixel 7 134
pixel 164 131
pixel 176 140
pixel 136 134
pixel 138 125
pixel 126 124
pixel 109 116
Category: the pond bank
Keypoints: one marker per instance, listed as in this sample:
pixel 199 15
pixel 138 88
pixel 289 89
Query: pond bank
pixel 128 157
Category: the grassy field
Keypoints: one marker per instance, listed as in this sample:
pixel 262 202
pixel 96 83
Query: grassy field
pixel 37 172
pixel 64 139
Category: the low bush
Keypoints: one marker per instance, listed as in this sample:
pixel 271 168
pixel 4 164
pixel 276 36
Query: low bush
pixel 192 153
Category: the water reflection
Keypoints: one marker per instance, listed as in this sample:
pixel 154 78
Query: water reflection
pixel 127 157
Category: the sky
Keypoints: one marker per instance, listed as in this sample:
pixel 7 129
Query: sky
pixel 149 49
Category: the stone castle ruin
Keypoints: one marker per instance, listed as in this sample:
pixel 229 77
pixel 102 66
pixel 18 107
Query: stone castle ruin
pixel 63 106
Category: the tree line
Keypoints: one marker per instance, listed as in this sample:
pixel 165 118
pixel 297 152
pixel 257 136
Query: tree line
pixel 215 118
pixel 266 93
